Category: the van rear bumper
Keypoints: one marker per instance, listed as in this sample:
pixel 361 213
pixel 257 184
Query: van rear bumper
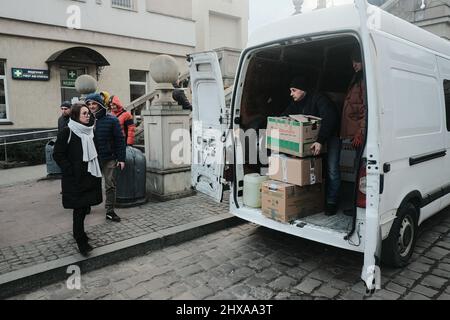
pixel 306 230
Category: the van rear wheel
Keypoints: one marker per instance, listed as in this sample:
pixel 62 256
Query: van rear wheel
pixel 399 245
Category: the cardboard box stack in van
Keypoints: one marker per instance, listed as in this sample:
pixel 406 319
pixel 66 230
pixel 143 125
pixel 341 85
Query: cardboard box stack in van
pixel 296 188
pixel 293 135
pixel 285 202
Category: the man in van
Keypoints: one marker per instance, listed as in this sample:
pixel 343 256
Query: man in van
pixel 315 104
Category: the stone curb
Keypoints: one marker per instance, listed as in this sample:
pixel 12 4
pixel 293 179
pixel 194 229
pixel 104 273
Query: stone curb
pixel 28 279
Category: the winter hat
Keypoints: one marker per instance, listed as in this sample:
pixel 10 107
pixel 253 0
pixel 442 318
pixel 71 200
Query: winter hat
pixel 106 96
pixel 66 104
pixel 95 97
pixel 299 82
pixel 116 101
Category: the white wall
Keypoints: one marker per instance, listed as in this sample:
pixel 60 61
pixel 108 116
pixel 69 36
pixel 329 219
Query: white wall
pixel 176 8
pixel 234 13
pixel 224 31
pixel 104 18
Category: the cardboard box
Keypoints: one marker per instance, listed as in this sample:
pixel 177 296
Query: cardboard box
pixel 347 161
pixel 301 172
pixel 286 202
pixel 292 135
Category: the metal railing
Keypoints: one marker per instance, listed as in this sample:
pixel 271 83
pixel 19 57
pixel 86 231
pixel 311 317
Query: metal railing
pixel 10 139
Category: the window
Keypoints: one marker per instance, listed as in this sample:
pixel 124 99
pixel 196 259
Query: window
pixel 447 102
pixel 68 75
pixel 124 4
pixel 138 86
pixel 3 93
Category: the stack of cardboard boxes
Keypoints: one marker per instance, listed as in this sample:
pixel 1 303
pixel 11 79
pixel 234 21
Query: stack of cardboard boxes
pixel 295 189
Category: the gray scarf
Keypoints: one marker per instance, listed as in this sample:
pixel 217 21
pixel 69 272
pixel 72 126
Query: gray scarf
pixel 86 134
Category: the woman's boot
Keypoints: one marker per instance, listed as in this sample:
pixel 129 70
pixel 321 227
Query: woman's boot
pixel 83 247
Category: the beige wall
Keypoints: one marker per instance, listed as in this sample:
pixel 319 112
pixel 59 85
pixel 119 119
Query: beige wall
pixel 35 104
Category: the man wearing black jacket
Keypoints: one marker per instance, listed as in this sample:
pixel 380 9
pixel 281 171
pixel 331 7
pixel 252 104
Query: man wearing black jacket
pixel 179 96
pixel 318 105
pixel 63 121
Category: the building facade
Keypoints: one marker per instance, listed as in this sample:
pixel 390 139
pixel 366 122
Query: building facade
pixel 432 15
pixel 45 45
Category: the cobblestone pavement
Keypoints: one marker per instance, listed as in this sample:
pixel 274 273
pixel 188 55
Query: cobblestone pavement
pixel 251 262
pixel 151 217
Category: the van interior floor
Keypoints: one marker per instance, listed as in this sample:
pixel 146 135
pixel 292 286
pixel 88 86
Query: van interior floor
pixel 340 221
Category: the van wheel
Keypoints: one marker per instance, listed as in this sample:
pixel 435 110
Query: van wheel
pixel 399 245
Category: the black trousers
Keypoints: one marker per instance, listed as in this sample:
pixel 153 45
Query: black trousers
pixel 78 223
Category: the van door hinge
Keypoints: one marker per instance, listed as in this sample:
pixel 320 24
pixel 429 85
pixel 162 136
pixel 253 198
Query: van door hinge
pixel 386 167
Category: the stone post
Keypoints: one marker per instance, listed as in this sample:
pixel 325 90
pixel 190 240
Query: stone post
pixel 85 84
pixel 165 126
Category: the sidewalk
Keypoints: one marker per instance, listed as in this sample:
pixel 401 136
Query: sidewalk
pixel 13 176
pixel 36 242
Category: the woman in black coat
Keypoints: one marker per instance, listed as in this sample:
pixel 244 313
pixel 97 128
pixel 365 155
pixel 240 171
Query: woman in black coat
pixel 76 155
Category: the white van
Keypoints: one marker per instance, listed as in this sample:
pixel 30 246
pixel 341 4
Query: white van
pixel 404 177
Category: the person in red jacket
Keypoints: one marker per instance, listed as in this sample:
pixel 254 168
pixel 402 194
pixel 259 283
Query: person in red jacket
pixel 125 119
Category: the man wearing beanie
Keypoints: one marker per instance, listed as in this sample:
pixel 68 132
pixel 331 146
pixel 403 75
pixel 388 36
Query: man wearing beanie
pixel 315 104
pixel 63 121
pixel 110 143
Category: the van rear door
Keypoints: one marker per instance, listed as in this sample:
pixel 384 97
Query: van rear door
pixel 210 124
pixel 371 270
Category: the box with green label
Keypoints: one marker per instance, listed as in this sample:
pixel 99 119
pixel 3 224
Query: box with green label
pixel 293 135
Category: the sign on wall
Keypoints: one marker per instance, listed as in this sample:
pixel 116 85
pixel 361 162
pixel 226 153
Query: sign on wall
pixel 30 74
pixel 68 83
pixel 72 74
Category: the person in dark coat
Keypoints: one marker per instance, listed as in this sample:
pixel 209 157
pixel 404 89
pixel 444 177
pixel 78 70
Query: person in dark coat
pixel 81 182
pixel 111 147
pixel 179 96
pixel 318 105
pixel 63 121
pixel 353 122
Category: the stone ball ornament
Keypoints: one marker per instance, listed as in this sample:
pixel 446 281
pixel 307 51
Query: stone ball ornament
pixel 164 69
pixel 86 84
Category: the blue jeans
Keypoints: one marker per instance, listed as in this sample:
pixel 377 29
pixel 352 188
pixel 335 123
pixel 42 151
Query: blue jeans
pixel 333 170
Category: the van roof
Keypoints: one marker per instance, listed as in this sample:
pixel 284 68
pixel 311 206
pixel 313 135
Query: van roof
pixel 345 18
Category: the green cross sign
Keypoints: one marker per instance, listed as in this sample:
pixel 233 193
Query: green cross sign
pixel 72 74
pixel 30 74
pixel 18 73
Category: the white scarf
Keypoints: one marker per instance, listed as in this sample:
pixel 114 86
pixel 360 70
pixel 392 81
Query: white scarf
pixel 86 134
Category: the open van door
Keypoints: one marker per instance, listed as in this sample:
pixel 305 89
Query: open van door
pixel 210 124
pixel 371 269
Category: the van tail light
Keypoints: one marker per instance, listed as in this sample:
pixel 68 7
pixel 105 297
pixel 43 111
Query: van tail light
pixel 362 179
